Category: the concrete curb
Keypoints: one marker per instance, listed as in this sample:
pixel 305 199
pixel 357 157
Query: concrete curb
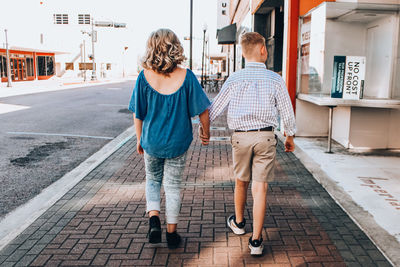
pixel 18 220
pixel 385 242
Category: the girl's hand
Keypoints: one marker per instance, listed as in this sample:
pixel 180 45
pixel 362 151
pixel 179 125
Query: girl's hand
pixel 204 138
pixel 139 149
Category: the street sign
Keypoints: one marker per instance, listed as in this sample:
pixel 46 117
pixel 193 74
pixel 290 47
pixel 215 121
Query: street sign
pixel 119 25
pixel 103 23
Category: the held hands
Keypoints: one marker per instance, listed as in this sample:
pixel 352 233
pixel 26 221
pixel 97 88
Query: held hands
pixel 204 137
pixel 289 144
pixel 139 148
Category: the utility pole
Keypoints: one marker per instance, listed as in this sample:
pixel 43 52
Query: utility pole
pixel 84 60
pixel 94 62
pixel 202 57
pixel 191 35
pixel 8 62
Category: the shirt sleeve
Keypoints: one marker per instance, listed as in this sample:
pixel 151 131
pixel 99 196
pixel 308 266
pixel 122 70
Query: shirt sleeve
pixel 285 108
pixel 198 101
pixel 221 101
pixel 138 103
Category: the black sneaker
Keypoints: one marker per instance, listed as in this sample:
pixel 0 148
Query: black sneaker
pixel 237 228
pixel 173 239
pixel 256 247
pixel 154 230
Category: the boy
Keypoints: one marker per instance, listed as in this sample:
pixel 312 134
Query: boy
pixel 254 97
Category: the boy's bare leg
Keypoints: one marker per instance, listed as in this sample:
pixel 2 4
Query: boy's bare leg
pixel 240 199
pixel 259 192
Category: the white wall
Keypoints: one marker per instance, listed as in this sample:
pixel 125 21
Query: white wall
pixel 379 65
pixel 394 129
pixel 369 128
pixel 341 125
pixel 311 120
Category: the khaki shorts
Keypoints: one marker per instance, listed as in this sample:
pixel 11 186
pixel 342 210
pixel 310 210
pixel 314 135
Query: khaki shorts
pixel 254 155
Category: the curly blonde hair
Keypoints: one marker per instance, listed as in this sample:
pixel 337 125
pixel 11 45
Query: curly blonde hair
pixel 164 52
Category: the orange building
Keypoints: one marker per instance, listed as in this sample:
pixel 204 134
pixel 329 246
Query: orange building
pixel 27 64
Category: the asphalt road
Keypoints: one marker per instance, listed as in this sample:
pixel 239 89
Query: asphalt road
pixel 58 131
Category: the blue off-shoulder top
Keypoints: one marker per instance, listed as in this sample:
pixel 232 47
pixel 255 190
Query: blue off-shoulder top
pixel 167 127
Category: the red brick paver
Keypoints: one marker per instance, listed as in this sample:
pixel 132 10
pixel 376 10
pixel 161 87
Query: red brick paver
pixel 303 225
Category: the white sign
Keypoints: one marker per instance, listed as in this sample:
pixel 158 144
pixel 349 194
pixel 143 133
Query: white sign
pixel 354 77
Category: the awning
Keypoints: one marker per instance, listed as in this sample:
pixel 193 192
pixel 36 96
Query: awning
pixel 227 35
pixel 29 49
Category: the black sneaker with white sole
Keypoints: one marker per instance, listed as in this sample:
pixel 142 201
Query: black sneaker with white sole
pixel 237 228
pixel 154 230
pixel 256 247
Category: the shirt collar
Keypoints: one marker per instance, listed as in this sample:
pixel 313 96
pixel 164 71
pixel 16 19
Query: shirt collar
pixel 255 65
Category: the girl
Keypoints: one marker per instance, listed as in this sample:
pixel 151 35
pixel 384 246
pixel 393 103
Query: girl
pixel 164 99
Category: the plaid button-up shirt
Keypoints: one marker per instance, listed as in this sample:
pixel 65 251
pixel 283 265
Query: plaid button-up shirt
pixel 255 97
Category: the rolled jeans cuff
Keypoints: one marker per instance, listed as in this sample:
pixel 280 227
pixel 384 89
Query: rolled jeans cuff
pixel 172 219
pixel 153 205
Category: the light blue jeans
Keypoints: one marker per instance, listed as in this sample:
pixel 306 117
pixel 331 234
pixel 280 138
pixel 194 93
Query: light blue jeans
pixel 169 172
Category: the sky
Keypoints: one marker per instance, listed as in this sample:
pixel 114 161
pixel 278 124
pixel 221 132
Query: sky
pixel 142 17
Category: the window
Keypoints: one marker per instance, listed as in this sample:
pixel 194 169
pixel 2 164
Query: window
pixel 69 66
pixel 60 18
pixel 45 65
pixel 108 66
pixel 85 66
pixel 84 19
pixel 29 64
pixel 3 66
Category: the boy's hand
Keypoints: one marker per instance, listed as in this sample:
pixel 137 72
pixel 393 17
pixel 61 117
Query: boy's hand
pixel 289 144
pixel 139 148
pixel 205 138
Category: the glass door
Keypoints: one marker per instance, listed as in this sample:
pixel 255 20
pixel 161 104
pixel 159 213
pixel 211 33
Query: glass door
pixel 18 69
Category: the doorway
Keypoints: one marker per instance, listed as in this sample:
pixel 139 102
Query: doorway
pixel 18 69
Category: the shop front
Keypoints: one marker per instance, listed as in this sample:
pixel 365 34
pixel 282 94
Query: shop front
pixel 27 64
pixel 348 74
pixel 341 63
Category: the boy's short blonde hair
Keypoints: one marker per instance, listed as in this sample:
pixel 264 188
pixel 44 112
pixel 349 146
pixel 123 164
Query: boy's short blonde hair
pixel 164 52
pixel 250 40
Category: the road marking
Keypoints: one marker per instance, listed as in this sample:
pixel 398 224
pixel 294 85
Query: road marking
pixel 67 135
pixel 112 105
pixel 217 128
pixel 114 88
pixel 6 108
pixel 220 138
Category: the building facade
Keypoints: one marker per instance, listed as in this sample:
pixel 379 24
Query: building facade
pixel 27 64
pixel 60 26
pixel 358 107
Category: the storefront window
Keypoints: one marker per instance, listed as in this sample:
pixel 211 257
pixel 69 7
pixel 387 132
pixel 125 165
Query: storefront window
pixel 50 66
pixel 29 64
pixel 45 65
pixel 3 66
pixel 350 30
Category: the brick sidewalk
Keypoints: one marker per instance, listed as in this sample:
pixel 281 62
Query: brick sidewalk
pixel 101 221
